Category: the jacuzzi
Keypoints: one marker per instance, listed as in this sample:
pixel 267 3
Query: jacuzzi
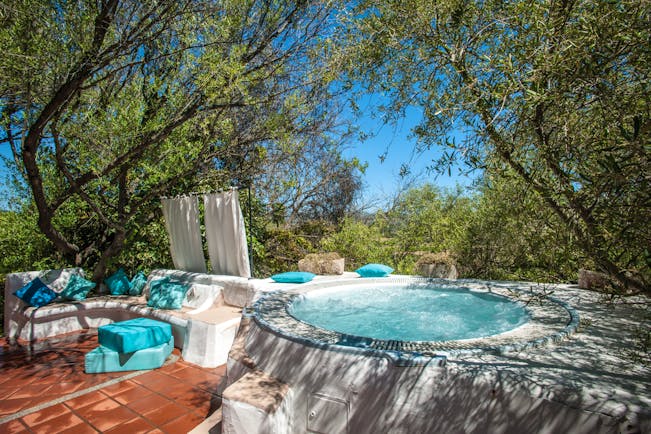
pixel 291 372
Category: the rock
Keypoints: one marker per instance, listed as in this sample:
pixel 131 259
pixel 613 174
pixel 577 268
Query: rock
pixel 589 279
pixel 440 265
pixel 439 270
pixel 322 263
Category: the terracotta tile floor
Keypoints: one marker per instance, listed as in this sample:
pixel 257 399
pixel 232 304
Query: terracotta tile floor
pixel 43 389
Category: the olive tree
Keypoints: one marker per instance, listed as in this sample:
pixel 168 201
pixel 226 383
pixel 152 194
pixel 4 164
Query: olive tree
pixel 557 93
pixel 107 105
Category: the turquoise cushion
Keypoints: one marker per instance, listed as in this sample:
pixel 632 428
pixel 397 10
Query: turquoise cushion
pixel 36 293
pixel 118 283
pixel 137 283
pixel 293 277
pixel 77 288
pixel 103 359
pixel 134 334
pixel 164 294
pixel 374 270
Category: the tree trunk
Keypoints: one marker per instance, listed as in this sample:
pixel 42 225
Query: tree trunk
pixel 112 250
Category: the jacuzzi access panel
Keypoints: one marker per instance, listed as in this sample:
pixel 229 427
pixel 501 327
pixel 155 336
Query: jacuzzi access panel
pixel 326 414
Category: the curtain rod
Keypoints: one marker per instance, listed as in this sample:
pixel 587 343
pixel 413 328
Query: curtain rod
pixel 199 193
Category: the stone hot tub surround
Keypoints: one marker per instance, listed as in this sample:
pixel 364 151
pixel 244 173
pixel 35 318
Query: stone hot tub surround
pixel 537 380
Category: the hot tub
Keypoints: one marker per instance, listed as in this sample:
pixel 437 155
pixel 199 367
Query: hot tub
pixel 360 376
pixel 394 317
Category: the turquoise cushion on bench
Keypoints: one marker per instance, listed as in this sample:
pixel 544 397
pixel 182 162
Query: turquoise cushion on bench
pixel 118 283
pixel 134 334
pixel 103 359
pixel 165 294
pixel 36 293
pixel 77 288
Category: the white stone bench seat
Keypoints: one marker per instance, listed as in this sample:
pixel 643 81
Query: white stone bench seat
pixel 203 331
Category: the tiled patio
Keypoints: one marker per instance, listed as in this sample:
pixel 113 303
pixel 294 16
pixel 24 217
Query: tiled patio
pixel 43 389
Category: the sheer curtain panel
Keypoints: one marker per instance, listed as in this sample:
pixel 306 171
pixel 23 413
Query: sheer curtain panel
pixel 182 223
pixel 226 234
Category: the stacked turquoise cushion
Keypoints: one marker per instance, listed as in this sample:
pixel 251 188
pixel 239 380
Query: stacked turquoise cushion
pixel 103 359
pixel 133 335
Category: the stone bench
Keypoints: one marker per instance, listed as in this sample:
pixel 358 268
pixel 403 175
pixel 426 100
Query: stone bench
pixel 203 329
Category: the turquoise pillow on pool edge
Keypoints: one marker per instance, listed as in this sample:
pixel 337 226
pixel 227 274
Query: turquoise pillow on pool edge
pixel 374 270
pixel 164 294
pixel 36 293
pixel 77 288
pixel 118 283
pixel 137 283
pixel 293 277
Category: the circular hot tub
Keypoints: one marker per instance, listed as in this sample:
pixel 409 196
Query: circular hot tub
pixel 412 320
pixel 409 312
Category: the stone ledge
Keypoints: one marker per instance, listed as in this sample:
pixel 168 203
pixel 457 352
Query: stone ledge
pixel 238 349
pixel 259 390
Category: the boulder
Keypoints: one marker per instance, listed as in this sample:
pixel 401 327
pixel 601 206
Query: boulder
pixel 440 270
pixel 589 279
pixel 322 263
pixel 437 265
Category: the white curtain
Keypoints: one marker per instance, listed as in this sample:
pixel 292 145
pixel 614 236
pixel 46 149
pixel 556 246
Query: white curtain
pixel 182 223
pixel 226 234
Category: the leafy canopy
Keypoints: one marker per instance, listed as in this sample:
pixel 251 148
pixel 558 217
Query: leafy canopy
pixel 109 105
pixel 555 93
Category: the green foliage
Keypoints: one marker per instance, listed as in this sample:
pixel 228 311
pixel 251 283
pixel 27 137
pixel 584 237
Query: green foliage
pixel 556 94
pixel 425 219
pixel 283 249
pixel 108 106
pixel 501 232
pixel 146 249
pixel 23 246
pixel 359 244
pixel 513 236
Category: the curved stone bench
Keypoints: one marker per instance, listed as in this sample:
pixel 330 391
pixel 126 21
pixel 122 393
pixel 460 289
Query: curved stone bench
pixel 203 329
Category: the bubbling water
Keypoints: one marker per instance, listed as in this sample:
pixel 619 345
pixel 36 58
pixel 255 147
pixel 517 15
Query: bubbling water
pixel 409 314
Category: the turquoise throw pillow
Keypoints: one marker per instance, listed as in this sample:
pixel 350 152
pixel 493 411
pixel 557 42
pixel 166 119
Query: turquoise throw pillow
pixel 374 270
pixel 164 294
pixel 293 277
pixel 77 288
pixel 36 293
pixel 118 283
pixel 137 283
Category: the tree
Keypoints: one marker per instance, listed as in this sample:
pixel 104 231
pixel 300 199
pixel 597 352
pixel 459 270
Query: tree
pixel 425 219
pixel 109 105
pixel 510 234
pixel 557 93
pixel 310 180
pixel 359 243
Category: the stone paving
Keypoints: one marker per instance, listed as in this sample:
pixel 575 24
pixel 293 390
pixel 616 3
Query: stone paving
pixel 43 389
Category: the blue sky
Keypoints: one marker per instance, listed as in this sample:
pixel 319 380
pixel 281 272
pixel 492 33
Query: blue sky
pixel 382 180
